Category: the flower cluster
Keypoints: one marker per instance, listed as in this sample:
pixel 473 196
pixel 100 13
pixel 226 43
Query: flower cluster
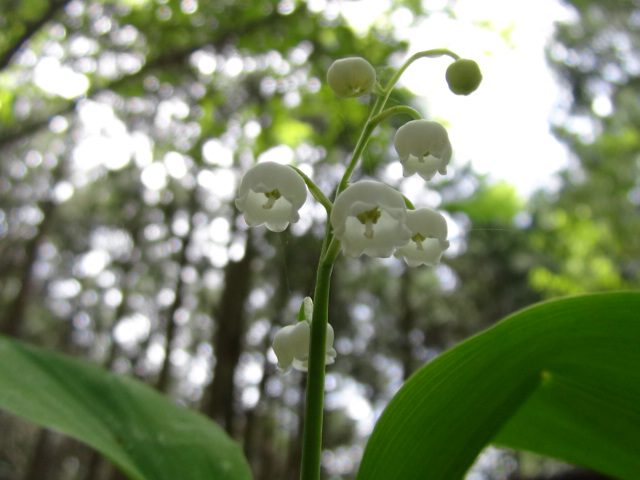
pixel 371 218
pixel 367 217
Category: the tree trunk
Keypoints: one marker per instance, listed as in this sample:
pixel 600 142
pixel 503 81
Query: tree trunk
pixel 231 319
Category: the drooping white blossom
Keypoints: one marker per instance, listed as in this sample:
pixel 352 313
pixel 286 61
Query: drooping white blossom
pixel 424 148
pixel 272 194
pixel 291 343
pixel 428 238
pixel 351 77
pixel 369 217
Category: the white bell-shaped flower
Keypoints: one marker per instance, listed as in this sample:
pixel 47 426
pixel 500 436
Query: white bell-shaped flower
pixel 369 217
pixel 272 194
pixel 291 343
pixel 424 148
pixel 428 238
pixel 351 77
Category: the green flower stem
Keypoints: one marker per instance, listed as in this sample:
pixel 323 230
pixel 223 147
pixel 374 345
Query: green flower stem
pixel 400 109
pixel 437 52
pixel 315 191
pixel 362 143
pixel 312 433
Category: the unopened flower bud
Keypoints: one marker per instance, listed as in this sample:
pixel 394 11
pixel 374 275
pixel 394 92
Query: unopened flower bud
pixel 463 76
pixel 351 77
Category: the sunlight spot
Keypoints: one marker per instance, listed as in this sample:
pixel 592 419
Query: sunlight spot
pixel 204 61
pixel 257 332
pixel 199 372
pixel 216 153
pixel 113 153
pixel 258 298
pixel 58 79
pixel 401 18
pixel 233 66
pixel 281 154
pixel 219 230
pixel 236 250
pixel 250 397
pixel 222 183
pixel 180 358
pixel 81 46
pixel 92 263
pixel 316 6
pixel 602 106
pixel 58 124
pixel 285 7
pixel 154 176
pixel 155 354
pixel 175 164
pixel 132 330
pixel 67 288
pixel 106 279
pixel 113 297
pixel 189 6
pixel 252 129
pixel 448 278
pixel 63 191
pixel 142 148
pixel 362 14
pixel 250 372
pixel 217 255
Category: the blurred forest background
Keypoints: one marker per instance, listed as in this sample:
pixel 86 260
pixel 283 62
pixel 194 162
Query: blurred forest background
pixel 125 126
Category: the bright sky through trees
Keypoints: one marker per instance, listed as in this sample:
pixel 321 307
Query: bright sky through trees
pixel 503 128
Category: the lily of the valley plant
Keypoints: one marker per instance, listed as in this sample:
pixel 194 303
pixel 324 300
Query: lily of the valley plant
pixel 366 217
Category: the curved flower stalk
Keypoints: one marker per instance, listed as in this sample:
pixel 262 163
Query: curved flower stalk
pixel 272 194
pixel 424 148
pixel 369 217
pixel 351 77
pixel 291 343
pixel 428 238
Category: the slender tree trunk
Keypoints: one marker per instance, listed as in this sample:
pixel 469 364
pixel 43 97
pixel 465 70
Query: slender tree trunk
pixel 42 456
pixel 14 318
pixel 231 319
pixel 294 457
pixel 253 421
pixel 97 467
pixel 165 372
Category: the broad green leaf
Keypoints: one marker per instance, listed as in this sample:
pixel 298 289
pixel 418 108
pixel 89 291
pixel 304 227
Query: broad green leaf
pixel 561 378
pixel 141 431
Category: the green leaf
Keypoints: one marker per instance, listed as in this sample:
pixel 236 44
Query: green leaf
pixel 561 378
pixel 138 429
